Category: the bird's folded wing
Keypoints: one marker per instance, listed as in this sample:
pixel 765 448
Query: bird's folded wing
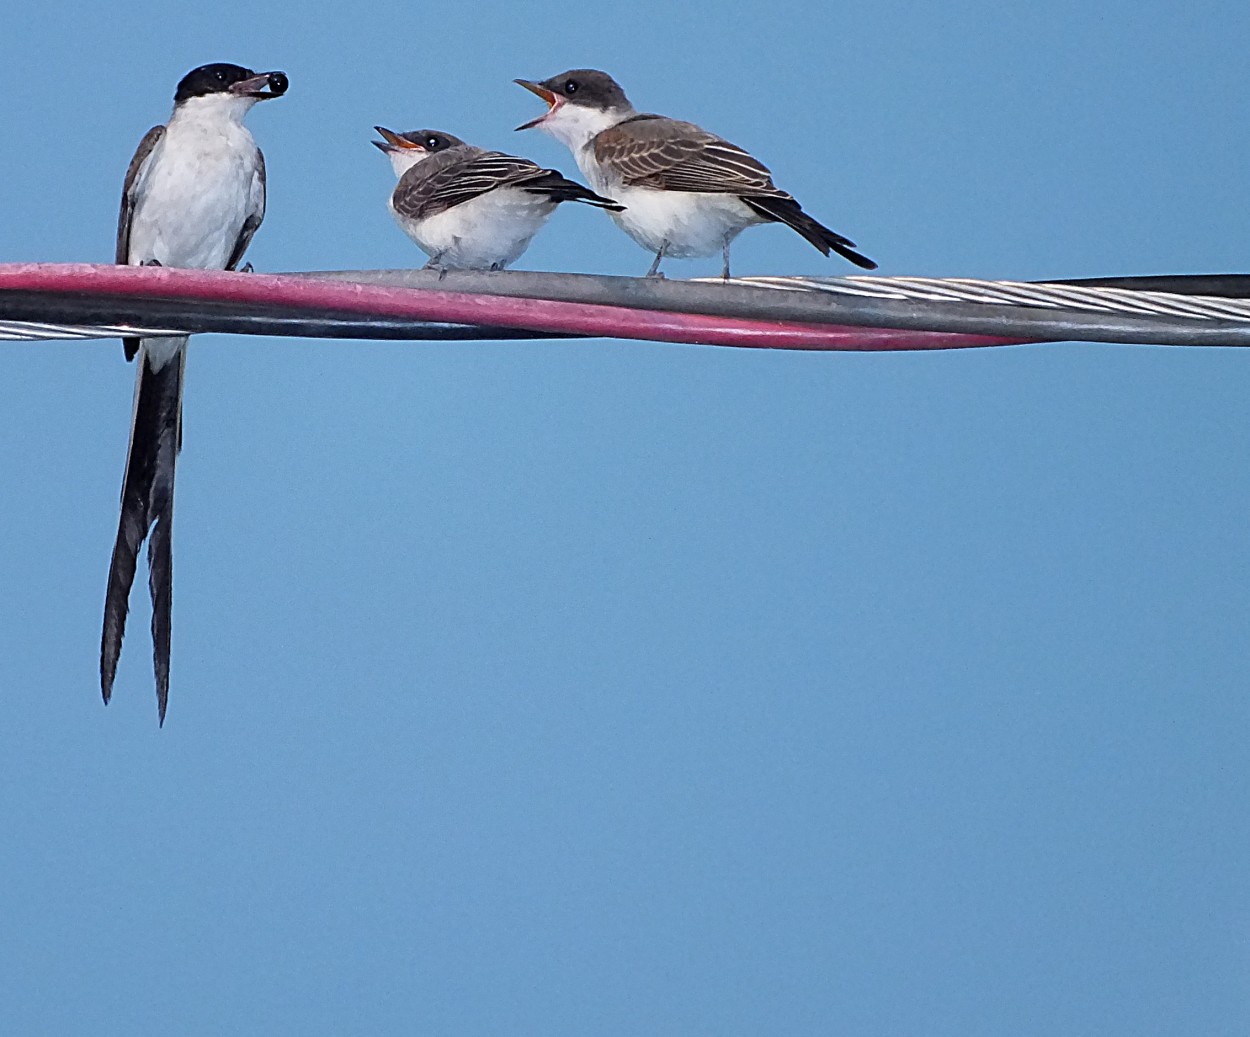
pixel 448 179
pixel 653 151
pixel 255 215
pixel 128 191
pixel 124 218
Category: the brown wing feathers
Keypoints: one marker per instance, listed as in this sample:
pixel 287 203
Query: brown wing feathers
pixel 653 151
pixel 452 177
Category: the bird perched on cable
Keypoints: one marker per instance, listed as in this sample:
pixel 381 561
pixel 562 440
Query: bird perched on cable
pixel 470 209
pixel 686 192
pixel 194 196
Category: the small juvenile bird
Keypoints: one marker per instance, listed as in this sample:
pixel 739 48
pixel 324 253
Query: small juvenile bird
pixel 685 192
pixel 194 195
pixel 470 209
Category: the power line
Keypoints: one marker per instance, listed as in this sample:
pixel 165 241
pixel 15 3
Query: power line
pixel 42 301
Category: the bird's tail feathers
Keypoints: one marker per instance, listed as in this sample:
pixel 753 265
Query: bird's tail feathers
pixel 559 188
pixel 785 209
pixel 147 508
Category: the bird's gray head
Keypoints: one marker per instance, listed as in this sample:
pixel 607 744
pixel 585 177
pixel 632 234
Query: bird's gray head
pixel 420 140
pixel 580 103
pixel 579 87
pixel 405 150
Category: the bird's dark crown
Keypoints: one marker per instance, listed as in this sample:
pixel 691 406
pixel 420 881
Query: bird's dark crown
pixel 219 77
pixel 588 87
pixel 432 140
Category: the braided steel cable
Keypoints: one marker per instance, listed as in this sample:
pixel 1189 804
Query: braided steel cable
pixel 20 331
pixel 1049 294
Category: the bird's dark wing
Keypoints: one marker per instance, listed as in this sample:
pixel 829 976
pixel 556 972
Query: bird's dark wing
pixel 254 217
pixel 652 151
pixel 457 175
pixel 497 169
pixel 131 345
pixel 128 192
pixel 553 184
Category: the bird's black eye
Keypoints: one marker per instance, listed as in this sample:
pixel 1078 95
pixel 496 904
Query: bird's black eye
pixel 570 86
pixel 221 76
pixel 432 142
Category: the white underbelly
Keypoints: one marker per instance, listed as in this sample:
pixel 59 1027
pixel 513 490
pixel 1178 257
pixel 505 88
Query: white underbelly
pixel 491 230
pixel 686 223
pixel 160 351
pixel 192 205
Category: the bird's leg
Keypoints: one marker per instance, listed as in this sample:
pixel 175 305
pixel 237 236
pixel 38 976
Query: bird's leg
pixel 655 267
pixel 247 268
pixel 151 262
pixel 435 263
pixel 724 274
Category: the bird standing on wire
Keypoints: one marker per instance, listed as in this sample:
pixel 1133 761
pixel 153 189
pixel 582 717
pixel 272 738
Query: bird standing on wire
pixel 470 209
pixel 194 196
pixel 685 192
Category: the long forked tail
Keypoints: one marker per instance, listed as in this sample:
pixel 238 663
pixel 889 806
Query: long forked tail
pixel 785 209
pixel 560 188
pixel 147 506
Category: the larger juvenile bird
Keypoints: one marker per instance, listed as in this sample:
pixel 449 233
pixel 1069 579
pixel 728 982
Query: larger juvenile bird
pixel 686 192
pixel 193 197
pixel 470 209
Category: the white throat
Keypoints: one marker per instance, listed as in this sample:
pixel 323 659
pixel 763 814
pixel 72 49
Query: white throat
pixel 210 108
pixel 576 125
pixel 403 159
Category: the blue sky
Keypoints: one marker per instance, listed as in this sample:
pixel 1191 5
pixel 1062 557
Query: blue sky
pixel 593 687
